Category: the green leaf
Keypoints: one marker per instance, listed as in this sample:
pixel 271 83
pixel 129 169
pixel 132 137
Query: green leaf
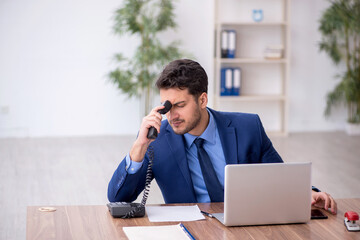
pixel 123 80
pixel 340 29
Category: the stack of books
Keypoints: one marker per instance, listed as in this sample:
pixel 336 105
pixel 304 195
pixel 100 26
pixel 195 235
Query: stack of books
pixel 274 52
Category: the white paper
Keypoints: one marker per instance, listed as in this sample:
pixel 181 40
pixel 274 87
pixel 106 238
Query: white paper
pixel 174 213
pixel 173 232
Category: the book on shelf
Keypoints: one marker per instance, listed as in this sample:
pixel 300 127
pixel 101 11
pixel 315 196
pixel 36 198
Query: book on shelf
pixel 236 82
pixel 232 43
pixel 230 81
pixel 274 52
pixel 224 44
pixel 228 43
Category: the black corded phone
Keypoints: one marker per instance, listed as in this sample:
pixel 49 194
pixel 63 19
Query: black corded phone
pixel 129 210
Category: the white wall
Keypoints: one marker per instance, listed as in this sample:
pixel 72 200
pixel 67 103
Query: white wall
pixel 54 57
pixel 311 72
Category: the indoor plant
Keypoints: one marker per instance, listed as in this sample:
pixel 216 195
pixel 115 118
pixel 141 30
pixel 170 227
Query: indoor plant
pixel 146 19
pixel 340 29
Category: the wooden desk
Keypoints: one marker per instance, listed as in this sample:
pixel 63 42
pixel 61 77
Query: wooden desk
pixel 95 222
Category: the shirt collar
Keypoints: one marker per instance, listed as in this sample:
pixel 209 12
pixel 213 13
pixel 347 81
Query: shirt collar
pixel 209 134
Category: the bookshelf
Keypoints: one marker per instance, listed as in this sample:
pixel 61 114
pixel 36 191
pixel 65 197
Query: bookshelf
pixel 264 81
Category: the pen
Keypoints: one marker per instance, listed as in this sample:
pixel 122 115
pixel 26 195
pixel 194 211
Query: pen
pixel 207 214
pixel 187 232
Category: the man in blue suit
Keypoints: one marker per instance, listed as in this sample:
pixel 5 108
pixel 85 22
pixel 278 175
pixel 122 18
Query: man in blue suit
pixel 194 144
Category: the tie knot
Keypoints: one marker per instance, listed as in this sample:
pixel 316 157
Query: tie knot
pixel 199 142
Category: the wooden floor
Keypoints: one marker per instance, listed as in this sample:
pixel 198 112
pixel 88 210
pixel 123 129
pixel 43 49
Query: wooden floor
pixel 76 171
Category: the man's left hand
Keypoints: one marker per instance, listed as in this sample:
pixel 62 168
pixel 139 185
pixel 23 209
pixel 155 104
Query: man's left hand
pixel 323 200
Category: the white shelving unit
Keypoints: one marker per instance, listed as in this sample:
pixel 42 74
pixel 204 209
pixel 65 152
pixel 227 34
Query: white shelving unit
pixel 263 81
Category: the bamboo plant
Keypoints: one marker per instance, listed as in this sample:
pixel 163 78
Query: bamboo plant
pixel 145 19
pixel 340 29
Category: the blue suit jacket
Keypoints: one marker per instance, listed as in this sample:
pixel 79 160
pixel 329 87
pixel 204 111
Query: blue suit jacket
pixel 243 140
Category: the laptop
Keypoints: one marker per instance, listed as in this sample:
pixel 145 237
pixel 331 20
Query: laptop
pixel 262 194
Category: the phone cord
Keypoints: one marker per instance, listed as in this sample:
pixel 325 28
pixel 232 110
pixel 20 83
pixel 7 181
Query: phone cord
pixel 148 180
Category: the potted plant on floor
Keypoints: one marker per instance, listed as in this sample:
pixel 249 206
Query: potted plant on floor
pixel 145 19
pixel 340 29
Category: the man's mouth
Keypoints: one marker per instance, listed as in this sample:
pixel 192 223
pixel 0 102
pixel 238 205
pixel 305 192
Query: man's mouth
pixel 176 123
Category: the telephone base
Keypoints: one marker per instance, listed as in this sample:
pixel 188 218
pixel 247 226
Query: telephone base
pixel 120 209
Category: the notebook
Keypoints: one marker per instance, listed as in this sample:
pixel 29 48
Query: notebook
pixel 262 194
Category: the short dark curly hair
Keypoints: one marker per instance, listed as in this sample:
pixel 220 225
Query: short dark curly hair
pixel 184 74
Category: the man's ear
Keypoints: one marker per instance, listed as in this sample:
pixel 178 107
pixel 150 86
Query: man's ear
pixel 203 100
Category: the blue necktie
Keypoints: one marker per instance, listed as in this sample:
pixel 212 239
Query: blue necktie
pixel 212 183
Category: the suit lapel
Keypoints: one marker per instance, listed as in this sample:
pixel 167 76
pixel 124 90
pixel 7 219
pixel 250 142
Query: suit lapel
pixel 227 137
pixel 177 148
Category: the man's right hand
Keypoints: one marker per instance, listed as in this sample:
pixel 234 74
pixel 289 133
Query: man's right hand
pixel 139 148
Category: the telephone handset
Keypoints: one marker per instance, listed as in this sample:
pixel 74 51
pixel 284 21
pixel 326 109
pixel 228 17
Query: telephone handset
pixel 130 210
pixel 152 134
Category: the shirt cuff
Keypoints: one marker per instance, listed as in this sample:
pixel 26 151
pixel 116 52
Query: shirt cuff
pixel 132 167
pixel 315 189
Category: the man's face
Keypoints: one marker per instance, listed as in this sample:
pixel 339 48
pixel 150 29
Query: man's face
pixel 185 114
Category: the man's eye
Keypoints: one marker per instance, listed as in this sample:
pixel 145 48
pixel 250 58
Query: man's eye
pixel 180 106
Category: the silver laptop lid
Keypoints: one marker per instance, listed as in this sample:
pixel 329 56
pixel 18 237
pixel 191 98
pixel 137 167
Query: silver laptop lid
pixel 260 194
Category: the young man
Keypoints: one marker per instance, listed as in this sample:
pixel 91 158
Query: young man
pixel 194 144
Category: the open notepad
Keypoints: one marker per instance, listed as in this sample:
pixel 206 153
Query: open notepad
pixel 174 232
pixel 174 213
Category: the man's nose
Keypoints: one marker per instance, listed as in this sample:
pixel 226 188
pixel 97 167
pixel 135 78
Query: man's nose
pixel 172 114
